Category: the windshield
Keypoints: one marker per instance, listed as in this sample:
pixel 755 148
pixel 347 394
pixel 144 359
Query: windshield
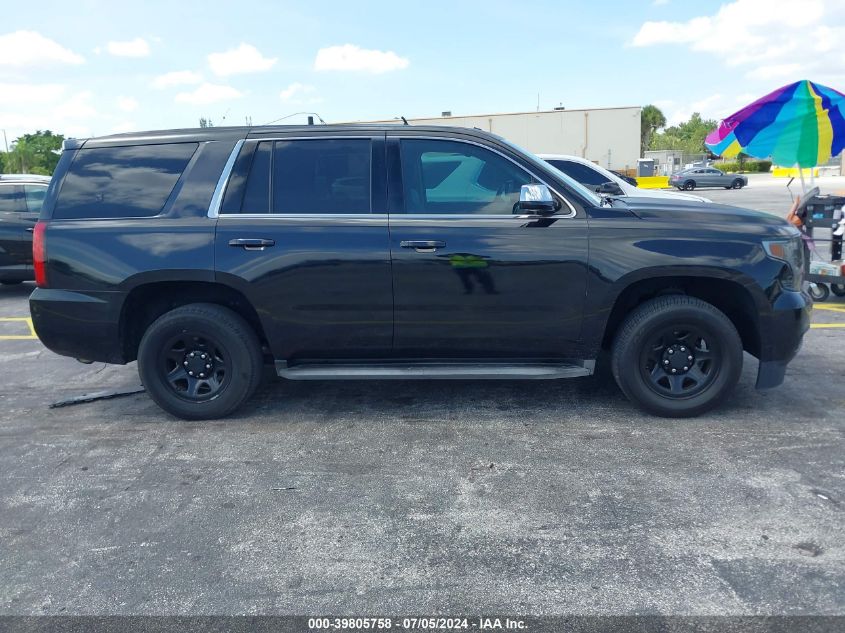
pixel 543 165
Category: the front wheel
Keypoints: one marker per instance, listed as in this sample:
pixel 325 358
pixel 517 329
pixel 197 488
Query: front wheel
pixel 200 361
pixel 677 356
pixel 737 183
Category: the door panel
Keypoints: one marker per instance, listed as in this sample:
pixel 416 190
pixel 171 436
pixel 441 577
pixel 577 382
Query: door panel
pixel 321 280
pixel 472 278
pixel 15 248
pixel 500 287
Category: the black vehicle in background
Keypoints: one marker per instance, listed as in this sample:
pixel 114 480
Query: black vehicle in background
pixel 21 197
pixel 398 252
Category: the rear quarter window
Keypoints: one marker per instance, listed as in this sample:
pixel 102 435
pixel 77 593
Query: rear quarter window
pixel 120 182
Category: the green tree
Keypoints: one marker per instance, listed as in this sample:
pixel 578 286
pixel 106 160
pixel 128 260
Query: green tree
pixel 36 153
pixel 651 120
pixel 688 136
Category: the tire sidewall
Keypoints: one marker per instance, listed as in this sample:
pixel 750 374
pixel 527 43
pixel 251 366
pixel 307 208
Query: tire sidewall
pixel 720 330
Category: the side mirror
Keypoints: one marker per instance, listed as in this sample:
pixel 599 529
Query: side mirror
pixel 536 198
pixel 610 188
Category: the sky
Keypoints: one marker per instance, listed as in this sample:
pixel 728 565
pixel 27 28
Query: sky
pixel 90 68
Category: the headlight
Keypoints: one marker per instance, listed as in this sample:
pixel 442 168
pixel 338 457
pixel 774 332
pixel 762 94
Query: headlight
pixel 791 252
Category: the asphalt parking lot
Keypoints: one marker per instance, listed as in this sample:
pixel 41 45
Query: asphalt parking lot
pixel 424 497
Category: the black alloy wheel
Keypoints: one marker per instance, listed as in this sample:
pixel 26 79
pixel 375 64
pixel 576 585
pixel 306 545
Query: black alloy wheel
pixel 195 366
pixel 689 185
pixel 680 361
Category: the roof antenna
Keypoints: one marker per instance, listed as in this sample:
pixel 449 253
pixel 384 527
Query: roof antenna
pixel 404 120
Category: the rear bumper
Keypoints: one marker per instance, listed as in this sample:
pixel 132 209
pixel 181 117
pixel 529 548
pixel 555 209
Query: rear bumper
pixel 80 325
pixel 782 333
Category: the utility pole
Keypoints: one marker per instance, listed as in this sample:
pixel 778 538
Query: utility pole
pixel 5 141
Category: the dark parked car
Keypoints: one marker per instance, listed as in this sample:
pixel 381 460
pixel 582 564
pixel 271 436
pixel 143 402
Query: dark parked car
pixel 21 197
pixel 689 179
pixel 398 252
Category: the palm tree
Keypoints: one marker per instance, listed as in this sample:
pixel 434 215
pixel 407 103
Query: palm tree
pixel 651 120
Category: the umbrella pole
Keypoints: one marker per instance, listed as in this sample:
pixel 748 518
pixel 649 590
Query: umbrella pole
pixel 803 184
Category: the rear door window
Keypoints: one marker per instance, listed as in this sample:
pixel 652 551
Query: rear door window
pixel 11 198
pixel 117 182
pixel 321 176
pixel 34 197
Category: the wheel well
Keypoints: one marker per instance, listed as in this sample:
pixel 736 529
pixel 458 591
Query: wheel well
pixel 148 302
pixel 728 296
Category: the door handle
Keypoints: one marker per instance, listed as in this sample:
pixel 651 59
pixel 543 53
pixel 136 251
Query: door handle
pixel 30 229
pixel 422 246
pixel 252 243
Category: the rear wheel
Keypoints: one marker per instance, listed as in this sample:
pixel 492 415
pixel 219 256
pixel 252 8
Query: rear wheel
pixel 819 292
pixel 689 185
pixel 200 361
pixel 677 356
pixel 737 183
pixel 838 289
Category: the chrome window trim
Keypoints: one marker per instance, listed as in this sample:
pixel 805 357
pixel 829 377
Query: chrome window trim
pixel 223 181
pixel 572 213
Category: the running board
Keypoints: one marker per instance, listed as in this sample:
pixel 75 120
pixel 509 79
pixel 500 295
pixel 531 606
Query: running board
pixel 436 371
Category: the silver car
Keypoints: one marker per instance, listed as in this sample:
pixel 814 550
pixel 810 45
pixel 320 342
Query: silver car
pixel 689 179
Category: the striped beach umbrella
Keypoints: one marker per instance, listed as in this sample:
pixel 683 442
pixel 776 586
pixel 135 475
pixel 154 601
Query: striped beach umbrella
pixel 800 124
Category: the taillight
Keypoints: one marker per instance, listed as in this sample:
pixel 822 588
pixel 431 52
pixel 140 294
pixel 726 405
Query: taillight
pixel 39 254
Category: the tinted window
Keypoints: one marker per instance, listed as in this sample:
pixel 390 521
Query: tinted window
pixel 257 189
pixel 321 176
pixel 35 197
pixel 453 177
pixel 580 172
pixel 112 182
pixel 11 198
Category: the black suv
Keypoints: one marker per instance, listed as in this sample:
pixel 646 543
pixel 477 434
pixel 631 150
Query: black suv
pixel 21 196
pixel 397 252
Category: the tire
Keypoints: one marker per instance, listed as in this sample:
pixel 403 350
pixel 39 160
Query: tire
pixel 838 289
pixel 819 292
pixel 184 335
pixel 689 185
pixel 689 327
pixel 737 184
pixel 12 283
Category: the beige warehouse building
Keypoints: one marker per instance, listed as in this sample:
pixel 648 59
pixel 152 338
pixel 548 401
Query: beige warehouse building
pixel 607 136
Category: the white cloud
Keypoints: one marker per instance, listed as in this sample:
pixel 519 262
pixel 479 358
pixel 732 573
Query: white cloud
pixel 786 72
pixel 208 93
pixel 176 78
pixel 355 58
pixel 130 48
pixel 70 115
pixel 300 93
pixel 122 127
pixel 30 94
pixel 127 104
pixel 23 49
pixel 745 31
pixel 243 59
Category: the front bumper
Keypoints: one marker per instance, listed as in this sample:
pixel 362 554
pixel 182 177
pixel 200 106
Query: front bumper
pixel 781 333
pixel 79 325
